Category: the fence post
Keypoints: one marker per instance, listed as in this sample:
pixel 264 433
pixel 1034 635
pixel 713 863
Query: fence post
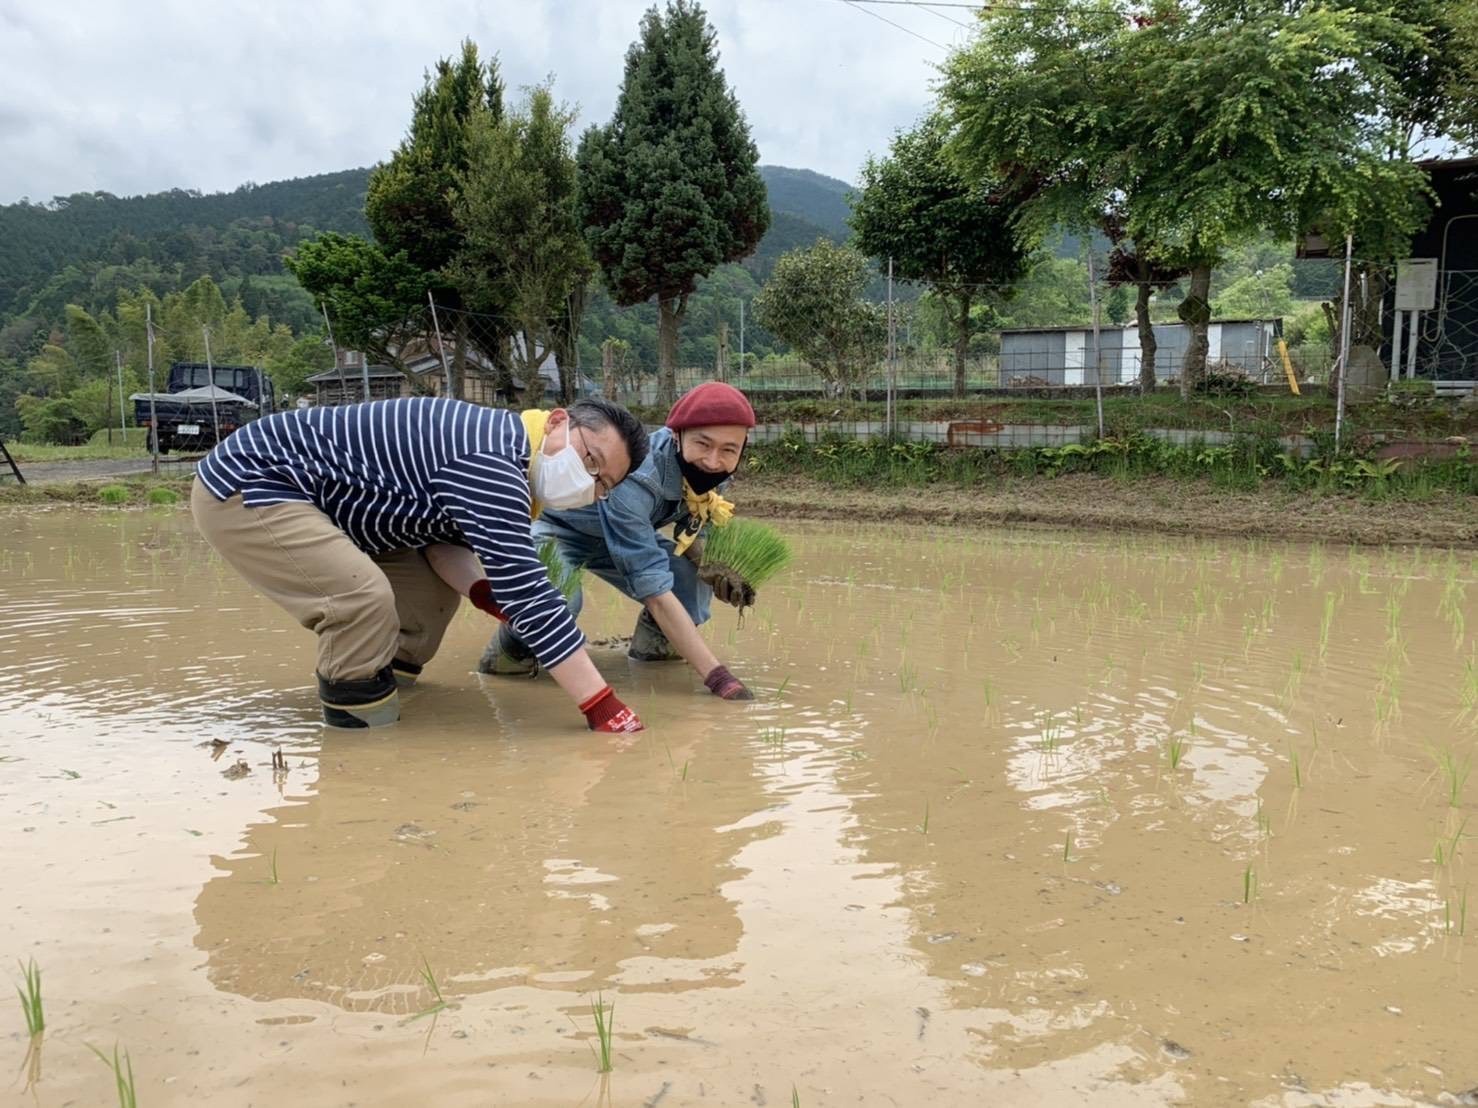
pixel 890 408
pixel 153 416
pixel 446 370
pixel 721 366
pixel 1344 344
pixel 1097 351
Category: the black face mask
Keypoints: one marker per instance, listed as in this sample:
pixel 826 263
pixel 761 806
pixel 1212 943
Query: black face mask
pixel 700 480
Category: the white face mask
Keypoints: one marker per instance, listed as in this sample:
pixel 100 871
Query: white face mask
pixel 560 481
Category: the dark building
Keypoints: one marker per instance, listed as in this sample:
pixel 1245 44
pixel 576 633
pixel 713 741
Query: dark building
pixel 1447 335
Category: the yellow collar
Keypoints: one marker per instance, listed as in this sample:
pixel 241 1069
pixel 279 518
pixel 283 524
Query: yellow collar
pixel 535 424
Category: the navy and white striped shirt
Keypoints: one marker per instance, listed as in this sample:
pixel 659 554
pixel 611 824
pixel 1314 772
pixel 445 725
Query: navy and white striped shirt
pixel 393 474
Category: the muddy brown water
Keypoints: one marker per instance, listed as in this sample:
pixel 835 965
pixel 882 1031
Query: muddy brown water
pixel 943 859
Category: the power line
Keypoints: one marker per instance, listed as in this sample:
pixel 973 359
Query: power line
pixel 900 26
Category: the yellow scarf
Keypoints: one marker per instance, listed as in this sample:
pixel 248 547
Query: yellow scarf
pixel 708 508
pixel 535 423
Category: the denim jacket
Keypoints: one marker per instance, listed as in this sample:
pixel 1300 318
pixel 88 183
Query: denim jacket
pixel 626 522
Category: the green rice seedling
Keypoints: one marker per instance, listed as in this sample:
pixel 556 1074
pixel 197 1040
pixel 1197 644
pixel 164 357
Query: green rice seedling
pixel 604 1015
pixel 906 677
pixel 1298 778
pixel 773 736
pixel 1051 734
pixel 163 496
pixel 924 827
pixel 986 688
pixel 563 576
pixel 1249 884
pixel 122 1068
pixel 795 1097
pixel 1326 622
pixel 1067 847
pixel 113 494
pixel 1469 690
pixel 1454 772
pixel 1175 751
pixel 272 868
pixel 752 551
pixel 781 690
pixel 428 978
pixel 1264 822
pixel 30 994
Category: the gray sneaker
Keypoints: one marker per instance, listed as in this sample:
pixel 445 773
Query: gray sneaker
pixel 648 643
pixel 503 659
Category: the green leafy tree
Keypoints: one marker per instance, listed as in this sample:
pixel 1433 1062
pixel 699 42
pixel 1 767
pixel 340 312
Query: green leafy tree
pixel 374 298
pixel 524 247
pixel 1264 294
pixel 1189 129
pixel 813 301
pixel 955 234
pixel 669 187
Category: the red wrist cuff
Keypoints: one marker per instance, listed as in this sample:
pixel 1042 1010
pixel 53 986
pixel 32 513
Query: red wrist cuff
pixel 588 705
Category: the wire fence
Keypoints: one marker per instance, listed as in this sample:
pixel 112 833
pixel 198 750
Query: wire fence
pixel 1273 333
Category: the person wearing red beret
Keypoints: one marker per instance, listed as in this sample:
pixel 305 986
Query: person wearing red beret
pixel 621 539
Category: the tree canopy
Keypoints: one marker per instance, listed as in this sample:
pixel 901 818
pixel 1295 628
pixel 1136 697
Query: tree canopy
pixel 669 188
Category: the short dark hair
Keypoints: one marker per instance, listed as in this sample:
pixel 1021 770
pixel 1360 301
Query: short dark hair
pixel 597 413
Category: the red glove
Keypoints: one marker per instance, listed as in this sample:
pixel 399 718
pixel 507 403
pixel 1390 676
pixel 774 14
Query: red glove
pixel 725 685
pixel 481 595
pixel 605 712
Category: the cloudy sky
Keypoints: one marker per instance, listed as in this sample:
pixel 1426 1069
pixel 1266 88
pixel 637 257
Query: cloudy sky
pixel 130 98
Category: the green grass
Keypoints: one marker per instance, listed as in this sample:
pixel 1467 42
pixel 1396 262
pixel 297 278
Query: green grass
pixel 113 494
pixel 122 1075
pixel 604 1015
pixel 95 450
pixel 428 978
pixel 162 494
pixel 752 550
pixel 30 994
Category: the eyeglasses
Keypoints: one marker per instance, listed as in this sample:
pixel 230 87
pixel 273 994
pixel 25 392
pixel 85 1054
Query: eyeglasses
pixel 592 467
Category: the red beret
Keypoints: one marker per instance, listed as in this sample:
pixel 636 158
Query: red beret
pixel 711 404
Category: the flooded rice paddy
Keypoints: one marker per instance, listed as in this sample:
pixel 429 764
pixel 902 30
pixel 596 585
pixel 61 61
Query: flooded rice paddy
pixel 1017 819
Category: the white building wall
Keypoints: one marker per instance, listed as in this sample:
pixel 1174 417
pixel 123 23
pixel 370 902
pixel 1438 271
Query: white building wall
pixel 1213 338
pixel 1073 358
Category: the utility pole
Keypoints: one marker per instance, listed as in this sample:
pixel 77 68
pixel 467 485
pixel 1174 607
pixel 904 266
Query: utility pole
pixel 215 417
pixel 153 418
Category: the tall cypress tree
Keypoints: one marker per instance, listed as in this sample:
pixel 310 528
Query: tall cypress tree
pixel 669 188
pixel 409 203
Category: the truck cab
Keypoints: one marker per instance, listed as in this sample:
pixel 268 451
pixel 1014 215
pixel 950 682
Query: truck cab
pixel 203 404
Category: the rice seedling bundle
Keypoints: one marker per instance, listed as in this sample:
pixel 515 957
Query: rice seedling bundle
pixel 564 577
pixel 751 551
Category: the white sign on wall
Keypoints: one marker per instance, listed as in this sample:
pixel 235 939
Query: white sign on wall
pixel 1416 285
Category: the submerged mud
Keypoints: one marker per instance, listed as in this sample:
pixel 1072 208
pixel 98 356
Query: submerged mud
pixel 1016 819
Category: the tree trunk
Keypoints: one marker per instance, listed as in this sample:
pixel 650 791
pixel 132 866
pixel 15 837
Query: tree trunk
pixel 669 316
pixel 962 343
pixel 1195 312
pixel 1147 343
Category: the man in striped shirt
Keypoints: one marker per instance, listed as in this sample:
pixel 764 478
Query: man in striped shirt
pixel 327 510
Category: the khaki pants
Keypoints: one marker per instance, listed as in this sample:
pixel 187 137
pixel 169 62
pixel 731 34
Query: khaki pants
pixel 365 608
